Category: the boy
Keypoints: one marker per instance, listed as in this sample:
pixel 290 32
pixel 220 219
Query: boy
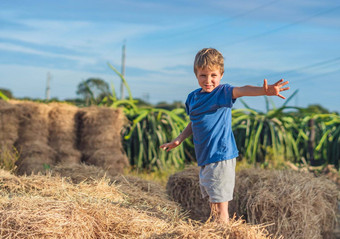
pixel 209 108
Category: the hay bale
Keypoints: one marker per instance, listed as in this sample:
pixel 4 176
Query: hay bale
pixel 99 127
pixel 99 135
pixel 35 157
pixel 298 204
pixel 9 124
pixel 183 187
pixel 67 155
pixel 33 121
pixel 112 160
pixel 80 172
pixel 63 133
pixel 32 144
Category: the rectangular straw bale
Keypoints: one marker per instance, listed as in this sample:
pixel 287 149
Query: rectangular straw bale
pixel 99 127
pixel 111 160
pixel 183 187
pixel 67 155
pixel 80 172
pixel 35 157
pixel 33 121
pixel 62 125
pixel 63 133
pixel 9 124
pixel 298 204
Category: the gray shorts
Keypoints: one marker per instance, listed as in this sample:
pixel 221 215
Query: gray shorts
pixel 217 180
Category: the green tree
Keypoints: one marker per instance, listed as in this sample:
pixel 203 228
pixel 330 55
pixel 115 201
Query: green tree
pixel 93 90
pixel 7 93
pixel 316 109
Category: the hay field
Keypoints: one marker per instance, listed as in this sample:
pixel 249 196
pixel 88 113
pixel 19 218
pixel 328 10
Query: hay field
pixel 51 206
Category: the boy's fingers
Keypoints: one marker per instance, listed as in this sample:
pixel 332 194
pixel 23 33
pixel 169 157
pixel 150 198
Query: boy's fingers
pixel 283 89
pixel 284 83
pixel 277 83
pixel 281 96
pixel 265 85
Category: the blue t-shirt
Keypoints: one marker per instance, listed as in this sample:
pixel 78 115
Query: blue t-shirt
pixel 210 115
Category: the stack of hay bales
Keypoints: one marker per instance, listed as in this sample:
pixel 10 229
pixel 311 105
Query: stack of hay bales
pixel 298 205
pixel 63 133
pixel 99 138
pixel 35 153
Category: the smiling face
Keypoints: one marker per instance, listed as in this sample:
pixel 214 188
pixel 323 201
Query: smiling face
pixel 208 79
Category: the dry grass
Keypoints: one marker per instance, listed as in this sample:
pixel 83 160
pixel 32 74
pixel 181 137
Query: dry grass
pixel 40 206
pixel 296 205
pixel 184 188
pixel 63 133
pixel 9 124
pixel 99 138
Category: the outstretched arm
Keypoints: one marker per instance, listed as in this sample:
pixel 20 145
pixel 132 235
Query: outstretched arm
pixel 266 89
pixel 180 138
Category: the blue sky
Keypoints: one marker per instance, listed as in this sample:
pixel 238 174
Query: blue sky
pixel 74 40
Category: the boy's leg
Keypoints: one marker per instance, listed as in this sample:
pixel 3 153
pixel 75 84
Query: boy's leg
pixel 217 180
pixel 219 211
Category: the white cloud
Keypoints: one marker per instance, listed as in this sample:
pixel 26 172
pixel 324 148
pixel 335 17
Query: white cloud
pixel 27 50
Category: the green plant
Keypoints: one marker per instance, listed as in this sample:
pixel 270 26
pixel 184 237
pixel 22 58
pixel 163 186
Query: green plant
pixel 3 96
pixel 148 129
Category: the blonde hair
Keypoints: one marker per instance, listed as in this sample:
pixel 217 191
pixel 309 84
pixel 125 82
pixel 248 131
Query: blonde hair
pixel 209 58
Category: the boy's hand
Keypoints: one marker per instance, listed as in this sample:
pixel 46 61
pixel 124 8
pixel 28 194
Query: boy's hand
pixel 276 88
pixel 171 145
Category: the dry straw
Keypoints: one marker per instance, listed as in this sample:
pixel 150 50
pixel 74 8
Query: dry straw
pixel 78 173
pixel 39 206
pixel 99 128
pixel 184 188
pixel 32 144
pixel 33 118
pixel 9 124
pixel 298 204
pixel 63 133
pixel 99 138
pixel 295 205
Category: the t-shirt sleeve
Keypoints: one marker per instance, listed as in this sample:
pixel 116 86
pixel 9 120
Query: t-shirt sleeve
pixel 228 95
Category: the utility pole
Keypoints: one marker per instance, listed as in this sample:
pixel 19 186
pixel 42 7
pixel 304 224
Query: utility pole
pixel 122 71
pixel 47 92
